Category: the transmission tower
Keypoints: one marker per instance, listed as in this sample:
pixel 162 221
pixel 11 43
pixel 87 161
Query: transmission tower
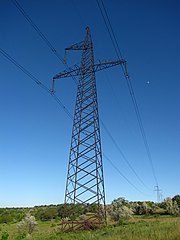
pixel 159 195
pixel 85 180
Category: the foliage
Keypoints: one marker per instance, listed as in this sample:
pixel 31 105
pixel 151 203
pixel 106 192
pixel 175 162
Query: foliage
pixel 119 202
pixel 120 209
pixel 46 213
pixel 57 212
pixel 177 199
pixel 176 209
pixel 5 236
pixel 138 228
pixel 142 208
pixel 6 217
pixel 27 225
pixel 9 215
pixel 121 213
pixel 172 207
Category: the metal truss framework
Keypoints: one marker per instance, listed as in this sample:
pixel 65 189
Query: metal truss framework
pixel 85 180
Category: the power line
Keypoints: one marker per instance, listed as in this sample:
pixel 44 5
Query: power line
pixel 42 35
pixel 129 84
pixel 39 83
pixel 48 43
pixel 34 79
pixel 111 30
pixel 36 28
pixel 107 27
pixel 113 140
pixel 122 154
pixel 122 175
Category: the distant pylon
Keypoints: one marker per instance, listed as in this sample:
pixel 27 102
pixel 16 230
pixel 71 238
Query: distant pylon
pixel 85 179
pixel 159 195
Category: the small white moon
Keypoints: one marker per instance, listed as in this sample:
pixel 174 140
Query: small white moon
pixel 147 82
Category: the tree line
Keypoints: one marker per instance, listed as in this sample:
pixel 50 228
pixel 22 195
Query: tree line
pixel 119 208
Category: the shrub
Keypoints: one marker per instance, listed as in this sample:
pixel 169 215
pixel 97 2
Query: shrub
pixel 5 236
pixel 121 213
pixel 172 207
pixel 27 225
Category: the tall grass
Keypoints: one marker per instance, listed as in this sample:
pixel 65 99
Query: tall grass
pixel 166 228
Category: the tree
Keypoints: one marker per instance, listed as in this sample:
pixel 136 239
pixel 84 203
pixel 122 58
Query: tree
pixel 172 207
pixel 46 213
pixel 141 208
pixel 169 205
pixel 5 216
pixel 119 209
pixel 120 202
pixel 177 199
pixel 61 211
pixel 145 209
pixel 121 213
pixel 176 209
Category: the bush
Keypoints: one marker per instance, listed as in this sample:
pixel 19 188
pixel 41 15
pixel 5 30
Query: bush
pixel 27 225
pixel 5 236
pixel 121 213
pixel 172 207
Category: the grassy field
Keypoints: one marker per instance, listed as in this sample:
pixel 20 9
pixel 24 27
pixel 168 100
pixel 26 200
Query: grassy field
pixel 138 228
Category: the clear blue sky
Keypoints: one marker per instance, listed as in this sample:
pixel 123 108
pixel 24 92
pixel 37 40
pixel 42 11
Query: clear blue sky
pixel 35 132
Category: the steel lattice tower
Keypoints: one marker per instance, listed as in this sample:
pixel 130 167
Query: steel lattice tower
pixel 85 180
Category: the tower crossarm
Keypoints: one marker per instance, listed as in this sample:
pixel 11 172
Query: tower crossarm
pixel 76 70
pixel 107 64
pixel 77 46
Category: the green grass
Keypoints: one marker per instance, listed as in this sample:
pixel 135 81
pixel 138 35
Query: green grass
pixel 138 228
